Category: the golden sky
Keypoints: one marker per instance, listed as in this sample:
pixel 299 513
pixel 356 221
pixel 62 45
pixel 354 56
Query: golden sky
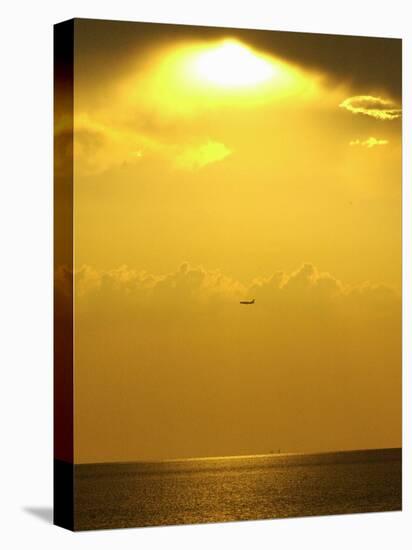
pixel 215 165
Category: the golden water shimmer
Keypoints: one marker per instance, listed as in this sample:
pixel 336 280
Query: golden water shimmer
pixel 236 488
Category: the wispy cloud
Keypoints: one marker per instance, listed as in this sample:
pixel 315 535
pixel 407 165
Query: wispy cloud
pixel 99 147
pixel 193 158
pixel 369 143
pixel 376 107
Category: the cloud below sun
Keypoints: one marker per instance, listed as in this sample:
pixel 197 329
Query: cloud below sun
pixel 192 158
pixel 369 142
pixel 376 107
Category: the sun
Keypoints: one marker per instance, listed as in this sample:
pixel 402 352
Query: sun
pixel 230 64
pixel 191 76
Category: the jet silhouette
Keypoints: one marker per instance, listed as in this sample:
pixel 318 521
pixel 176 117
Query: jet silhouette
pixel 248 302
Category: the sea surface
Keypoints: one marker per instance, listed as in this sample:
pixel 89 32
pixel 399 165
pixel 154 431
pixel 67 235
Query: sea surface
pixel 139 494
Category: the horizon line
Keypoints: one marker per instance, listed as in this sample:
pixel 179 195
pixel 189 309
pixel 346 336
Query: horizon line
pixel 233 457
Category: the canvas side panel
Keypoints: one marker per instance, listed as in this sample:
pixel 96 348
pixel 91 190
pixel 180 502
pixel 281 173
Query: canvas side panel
pixel 63 274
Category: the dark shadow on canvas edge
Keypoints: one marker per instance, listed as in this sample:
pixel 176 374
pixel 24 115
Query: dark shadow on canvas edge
pixel 44 513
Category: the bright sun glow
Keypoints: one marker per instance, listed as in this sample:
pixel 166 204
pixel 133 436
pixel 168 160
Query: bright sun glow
pixel 231 64
pixel 193 76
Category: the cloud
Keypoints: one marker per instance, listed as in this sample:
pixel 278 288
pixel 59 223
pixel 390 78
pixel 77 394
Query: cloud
pixel 99 147
pixel 123 289
pixel 308 295
pixel 376 107
pixel 304 283
pixel 305 291
pixel 194 158
pixel 369 143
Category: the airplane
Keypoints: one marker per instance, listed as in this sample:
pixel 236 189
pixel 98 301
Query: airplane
pixel 248 302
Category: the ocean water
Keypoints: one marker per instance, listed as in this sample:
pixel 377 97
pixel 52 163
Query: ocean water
pixel 236 488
